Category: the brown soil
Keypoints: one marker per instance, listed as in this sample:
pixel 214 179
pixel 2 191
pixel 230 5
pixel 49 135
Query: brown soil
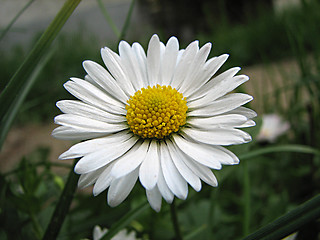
pixel 22 141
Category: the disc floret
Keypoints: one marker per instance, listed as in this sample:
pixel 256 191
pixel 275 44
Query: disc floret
pixel 156 112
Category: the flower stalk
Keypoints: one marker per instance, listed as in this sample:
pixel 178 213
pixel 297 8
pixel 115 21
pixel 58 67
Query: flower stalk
pixel 175 222
pixel 62 207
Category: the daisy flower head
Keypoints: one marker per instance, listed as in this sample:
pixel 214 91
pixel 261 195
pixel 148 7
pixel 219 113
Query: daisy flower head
pixel 161 117
pixel 273 126
pixel 98 233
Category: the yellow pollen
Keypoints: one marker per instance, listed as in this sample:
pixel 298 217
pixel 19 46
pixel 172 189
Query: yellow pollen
pixel 156 112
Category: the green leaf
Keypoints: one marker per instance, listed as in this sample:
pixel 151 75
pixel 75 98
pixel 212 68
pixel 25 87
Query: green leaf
pixel 10 93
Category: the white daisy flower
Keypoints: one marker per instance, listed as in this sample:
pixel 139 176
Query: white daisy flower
pixel 161 117
pixel 98 233
pixel 272 127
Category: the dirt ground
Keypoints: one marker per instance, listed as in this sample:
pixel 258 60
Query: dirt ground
pixel 22 141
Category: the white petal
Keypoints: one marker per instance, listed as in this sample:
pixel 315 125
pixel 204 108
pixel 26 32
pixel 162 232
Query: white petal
pixel 129 61
pixel 169 61
pixel 86 110
pixel 249 123
pixel 88 179
pixel 221 105
pixel 154 198
pixel 153 60
pixel 163 188
pixel 121 187
pixel 104 180
pixel 149 169
pixel 131 160
pixel 218 136
pixel 98 232
pixel 173 178
pixel 92 95
pixel 195 70
pixel 98 159
pixel 219 89
pixel 162 49
pixel 204 154
pixel 186 59
pixel 90 80
pixel 225 120
pixel 183 169
pixel 142 62
pixel 83 148
pixel 249 113
pixel 202 171
pixel 88 124
pixel 69 133
pixel 234 159
pixel 207 72
pixel 102 77
pixel 216 80
pixel 113 63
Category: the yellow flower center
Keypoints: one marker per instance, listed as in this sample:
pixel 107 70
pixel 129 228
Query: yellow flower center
pixel 156 112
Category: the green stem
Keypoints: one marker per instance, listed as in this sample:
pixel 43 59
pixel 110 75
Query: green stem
pixel 62 207
pixel 4 32
pixel 290 222
pixel 174 218
pixel 36 226
pixel 247 201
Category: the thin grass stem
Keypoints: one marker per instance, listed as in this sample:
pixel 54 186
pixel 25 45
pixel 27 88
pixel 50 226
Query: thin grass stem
pixel 175 222
pixel 4 32
pixel 108 19
pixel 126 22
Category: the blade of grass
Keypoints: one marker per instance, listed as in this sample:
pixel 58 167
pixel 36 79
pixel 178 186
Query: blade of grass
pixel 11 90
pixel 62 207
pixel 4 32
pixel 7 120
pixel 290 222
pixel 124 221
pixel 108 18
pixel 127 22
pixel 281 148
